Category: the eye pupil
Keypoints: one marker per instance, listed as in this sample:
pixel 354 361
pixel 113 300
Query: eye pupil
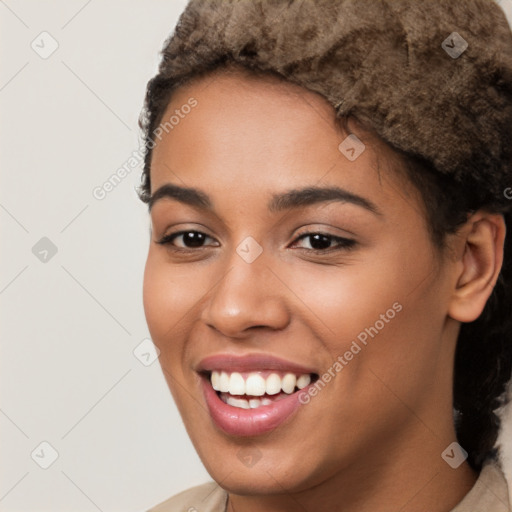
pixel 319 241
pixel 193 239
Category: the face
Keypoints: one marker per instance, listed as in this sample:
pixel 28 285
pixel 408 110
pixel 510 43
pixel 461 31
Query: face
pixel 332 303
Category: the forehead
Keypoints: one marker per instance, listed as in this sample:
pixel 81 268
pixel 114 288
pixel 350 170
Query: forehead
pixel 250 134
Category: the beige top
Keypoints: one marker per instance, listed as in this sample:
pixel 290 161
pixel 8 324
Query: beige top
pixel 488 494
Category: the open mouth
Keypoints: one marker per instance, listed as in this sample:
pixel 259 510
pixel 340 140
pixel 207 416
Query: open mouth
pixel 253 394
pixel 252 390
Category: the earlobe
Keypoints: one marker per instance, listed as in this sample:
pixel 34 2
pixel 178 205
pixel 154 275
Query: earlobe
pixel 480 265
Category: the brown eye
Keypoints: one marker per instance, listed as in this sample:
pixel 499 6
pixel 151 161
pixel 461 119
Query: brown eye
pixel 190 239
pixel 321 242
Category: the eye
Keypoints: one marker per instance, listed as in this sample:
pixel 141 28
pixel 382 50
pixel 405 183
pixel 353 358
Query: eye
pixel 191 239
pixel 321 242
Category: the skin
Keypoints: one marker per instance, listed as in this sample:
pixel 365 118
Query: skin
pixel 372 438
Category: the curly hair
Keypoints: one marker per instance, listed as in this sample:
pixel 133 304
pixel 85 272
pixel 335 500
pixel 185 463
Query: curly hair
pixel 447 115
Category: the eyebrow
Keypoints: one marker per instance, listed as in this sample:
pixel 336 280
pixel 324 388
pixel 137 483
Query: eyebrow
pixel 295 198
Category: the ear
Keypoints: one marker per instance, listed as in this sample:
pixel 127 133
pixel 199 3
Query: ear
pixel 479 261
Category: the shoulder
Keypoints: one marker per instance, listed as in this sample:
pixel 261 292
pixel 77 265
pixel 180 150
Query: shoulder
pixel 490 491
pixel 209 497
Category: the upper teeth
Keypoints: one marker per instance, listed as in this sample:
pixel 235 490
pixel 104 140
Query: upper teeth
pixel 255 385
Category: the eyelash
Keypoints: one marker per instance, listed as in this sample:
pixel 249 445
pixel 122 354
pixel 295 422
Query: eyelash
pixel 345 244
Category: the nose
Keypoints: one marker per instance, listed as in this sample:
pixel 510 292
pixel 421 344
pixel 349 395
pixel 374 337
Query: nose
pixel 248 296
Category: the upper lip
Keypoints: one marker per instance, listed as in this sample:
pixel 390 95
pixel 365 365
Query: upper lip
pixel 250 362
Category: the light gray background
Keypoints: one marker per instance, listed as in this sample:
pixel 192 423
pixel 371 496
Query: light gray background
pixel 69 325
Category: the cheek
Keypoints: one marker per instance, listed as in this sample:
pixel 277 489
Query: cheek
pixel 163 301
pixel 153 297
pixel 346 300
pixel 385 314
pixel 165 307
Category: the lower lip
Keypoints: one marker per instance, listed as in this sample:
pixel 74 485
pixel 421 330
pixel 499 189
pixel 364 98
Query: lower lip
pixel 248 422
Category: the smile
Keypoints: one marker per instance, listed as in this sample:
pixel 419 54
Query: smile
pixel 256 389
pixel 252 395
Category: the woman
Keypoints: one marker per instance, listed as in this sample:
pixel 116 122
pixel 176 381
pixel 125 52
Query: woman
pixel 328 280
